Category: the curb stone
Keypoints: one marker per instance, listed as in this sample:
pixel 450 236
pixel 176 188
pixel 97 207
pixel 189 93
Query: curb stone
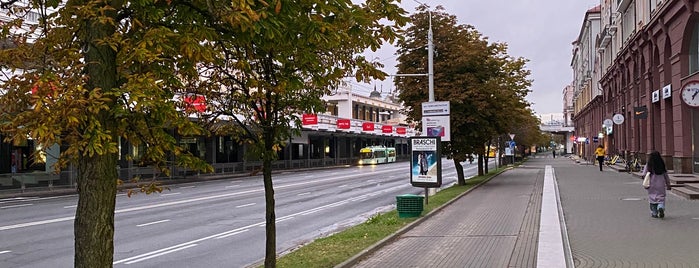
pixel 378 245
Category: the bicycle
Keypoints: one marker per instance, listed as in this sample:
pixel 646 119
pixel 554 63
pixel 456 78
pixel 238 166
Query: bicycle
pixel 633 165
pixel 613 160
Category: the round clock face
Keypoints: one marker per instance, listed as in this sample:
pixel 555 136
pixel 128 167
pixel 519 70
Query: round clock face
pixel 690 94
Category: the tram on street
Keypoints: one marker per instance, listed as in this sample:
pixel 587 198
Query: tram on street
pixel 377 155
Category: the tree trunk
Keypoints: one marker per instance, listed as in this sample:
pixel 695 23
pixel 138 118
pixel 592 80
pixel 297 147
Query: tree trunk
pixel 270 216
pixel 480 164
pixel 97 174
pixel 94 217
pixel 459 172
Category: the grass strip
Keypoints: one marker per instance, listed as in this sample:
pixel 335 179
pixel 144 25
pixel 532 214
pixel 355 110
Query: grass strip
pixel 335 249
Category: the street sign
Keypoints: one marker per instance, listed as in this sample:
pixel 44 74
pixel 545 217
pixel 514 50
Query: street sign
pixel 512 136
pixel 608 123
pixel 436 120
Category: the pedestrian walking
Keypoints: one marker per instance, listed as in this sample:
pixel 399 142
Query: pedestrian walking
pixel 599 152
pixel 659 182
pixel 554 153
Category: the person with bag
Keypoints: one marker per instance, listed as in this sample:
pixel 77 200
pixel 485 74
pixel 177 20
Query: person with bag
pixel 599 153
pixel 659 182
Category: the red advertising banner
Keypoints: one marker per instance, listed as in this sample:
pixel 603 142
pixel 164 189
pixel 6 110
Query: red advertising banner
pixel 195 103
pixel 387 129
pixel 367 126
pixel 343 124
pixel 400 130
pixel 310 119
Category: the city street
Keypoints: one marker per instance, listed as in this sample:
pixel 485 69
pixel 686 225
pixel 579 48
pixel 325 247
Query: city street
pixel 210 223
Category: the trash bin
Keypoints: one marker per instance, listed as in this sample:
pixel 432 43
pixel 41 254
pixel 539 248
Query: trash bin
pixel 409 205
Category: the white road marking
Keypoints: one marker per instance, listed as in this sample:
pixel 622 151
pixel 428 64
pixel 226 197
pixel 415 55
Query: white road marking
pixel 21 225
pixel 205 198
pixel 162 253
pixel 246 205
pixel 184 245
pixel 232 234
pixel 16 206
pixel 187 187
pixel 176 193
pixel 232 186
pixel 343 186
pixel 281 220
pixel 306 193
pixel 151 223
pixel 5 251
pixel 73 206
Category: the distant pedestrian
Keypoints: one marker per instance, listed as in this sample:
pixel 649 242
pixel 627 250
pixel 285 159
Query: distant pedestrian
pixel 554 153
pixel 599 152
pixel 659 182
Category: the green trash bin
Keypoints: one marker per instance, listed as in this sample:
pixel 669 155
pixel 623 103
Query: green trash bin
pixel 409 205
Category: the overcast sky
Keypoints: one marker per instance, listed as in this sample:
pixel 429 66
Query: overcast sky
pixel 539 30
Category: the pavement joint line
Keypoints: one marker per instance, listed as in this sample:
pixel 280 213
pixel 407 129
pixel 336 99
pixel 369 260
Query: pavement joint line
pixel 550 251
pixel 383 242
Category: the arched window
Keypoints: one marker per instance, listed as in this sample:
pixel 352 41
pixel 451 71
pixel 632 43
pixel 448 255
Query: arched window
pixel 694 50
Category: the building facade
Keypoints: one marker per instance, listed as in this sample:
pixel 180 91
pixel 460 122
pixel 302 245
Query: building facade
pixel 648 52
pixel 585 88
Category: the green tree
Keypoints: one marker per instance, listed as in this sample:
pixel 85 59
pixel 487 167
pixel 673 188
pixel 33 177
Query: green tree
pixel 282 65
pixel 485 86
pixel 93 72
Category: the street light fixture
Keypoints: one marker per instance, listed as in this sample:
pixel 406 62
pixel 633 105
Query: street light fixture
pixel 430 57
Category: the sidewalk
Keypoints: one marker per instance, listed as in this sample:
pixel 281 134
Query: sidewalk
pixel 605 223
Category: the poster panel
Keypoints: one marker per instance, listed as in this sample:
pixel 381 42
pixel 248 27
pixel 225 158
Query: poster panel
pixel 426 162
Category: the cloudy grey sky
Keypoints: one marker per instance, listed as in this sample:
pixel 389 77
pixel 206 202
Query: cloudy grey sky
pixel 539 30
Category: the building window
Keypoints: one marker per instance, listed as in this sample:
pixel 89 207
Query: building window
pixel 694 50
pixel 628 23
pixel 654 4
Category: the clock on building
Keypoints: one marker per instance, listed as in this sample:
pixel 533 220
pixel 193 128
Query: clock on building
pixel 690 93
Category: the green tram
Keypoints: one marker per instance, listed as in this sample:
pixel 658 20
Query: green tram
pixel 373 155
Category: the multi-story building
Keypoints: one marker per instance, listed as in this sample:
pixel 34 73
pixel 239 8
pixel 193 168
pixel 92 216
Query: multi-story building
pixel 568 110
pixel 648 54
pixel 586 93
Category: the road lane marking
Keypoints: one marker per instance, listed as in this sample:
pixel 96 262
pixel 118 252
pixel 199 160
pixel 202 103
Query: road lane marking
pixel 306 193
pixel 232 186
pixel 17 206
pixel 162 253
pixel 246 205
pixel 151 223
pixel 185 201
pixel 232 234
pixel 176 193
pixel 281 220
pixel 34 223
pixel 343 186
pixel 187 187
pixel 5 251
pixel 72 206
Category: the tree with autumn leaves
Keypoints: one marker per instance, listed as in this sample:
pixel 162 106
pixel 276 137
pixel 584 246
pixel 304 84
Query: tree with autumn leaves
pixel 486 88
pixel 91 73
